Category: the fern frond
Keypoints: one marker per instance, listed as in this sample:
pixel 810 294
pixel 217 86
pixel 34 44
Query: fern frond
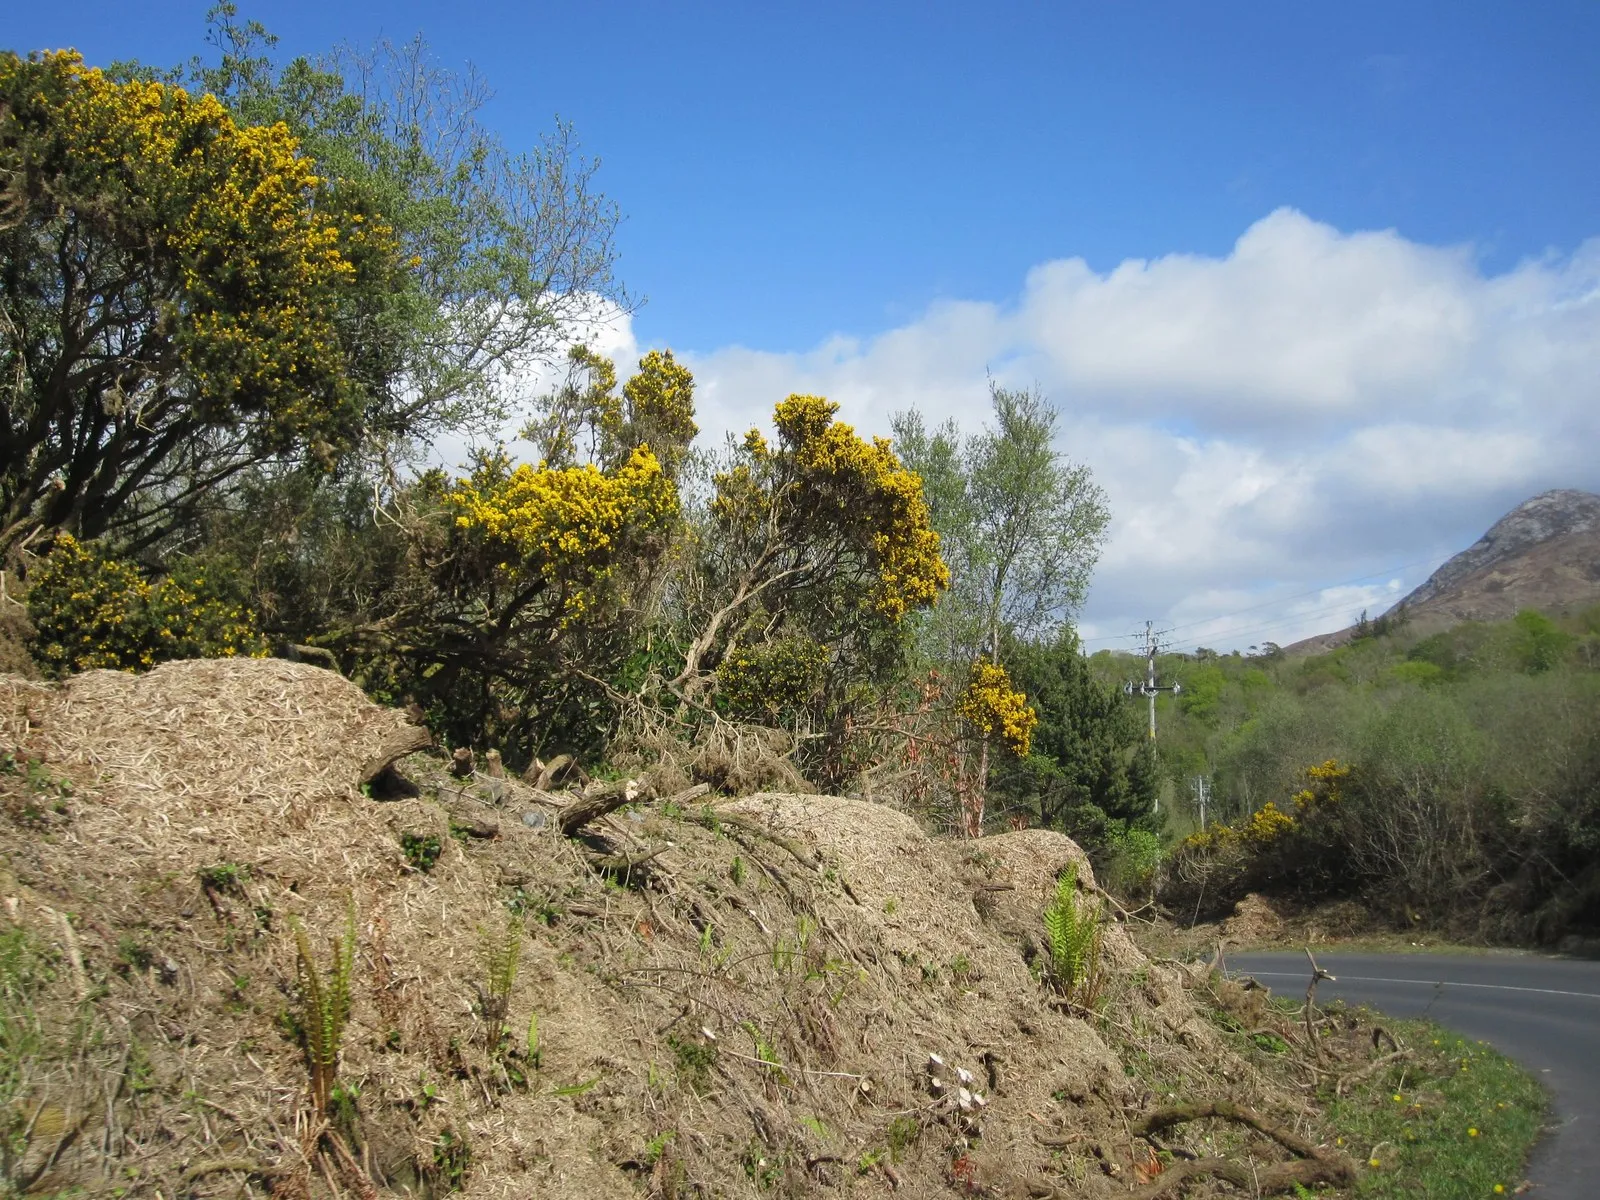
pixel 324 1007
pixel 501 954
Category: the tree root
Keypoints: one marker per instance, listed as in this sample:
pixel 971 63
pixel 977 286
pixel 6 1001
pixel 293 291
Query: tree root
pixel 1372 1068
pixel 214 1166
pixel 756 829
pixel 1313 1165
pixel 1267 1181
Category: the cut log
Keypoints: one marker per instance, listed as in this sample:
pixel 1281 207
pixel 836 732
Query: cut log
pixel 602 799
pixel 408 739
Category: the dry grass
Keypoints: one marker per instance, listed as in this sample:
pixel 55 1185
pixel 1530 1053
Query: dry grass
pixel 750 1012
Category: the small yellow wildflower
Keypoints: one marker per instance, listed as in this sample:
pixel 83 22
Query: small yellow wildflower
pixel 1471 1132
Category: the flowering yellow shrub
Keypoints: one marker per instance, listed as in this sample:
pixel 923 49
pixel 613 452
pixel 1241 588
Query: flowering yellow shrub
pixel 1268 823
pixel 993 706
pixel 586 420
pixel 228 227
pixel 660 408
pixel 565 527
pixel 865 479
pixel 89 610
pixel 766 680
pixel 825 485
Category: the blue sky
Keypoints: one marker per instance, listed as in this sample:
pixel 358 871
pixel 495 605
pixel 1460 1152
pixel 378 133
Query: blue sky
pixel 1311 284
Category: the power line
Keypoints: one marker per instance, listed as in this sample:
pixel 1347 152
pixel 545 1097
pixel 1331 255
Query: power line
pixel 1253 630
pixel 1275 601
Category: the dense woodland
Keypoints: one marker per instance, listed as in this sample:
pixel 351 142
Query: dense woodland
pixel 243 300
pixel 1447 778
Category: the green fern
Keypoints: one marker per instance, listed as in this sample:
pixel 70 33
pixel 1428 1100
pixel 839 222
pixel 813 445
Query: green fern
pixel 325 1005
pixel 501 953
pixel 1073 938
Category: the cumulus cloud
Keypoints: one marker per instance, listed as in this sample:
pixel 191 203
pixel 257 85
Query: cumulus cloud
pixel 1317 407
pixel 605 329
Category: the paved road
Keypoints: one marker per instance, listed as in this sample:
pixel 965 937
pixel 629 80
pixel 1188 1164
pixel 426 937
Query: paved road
pixel 1543 1012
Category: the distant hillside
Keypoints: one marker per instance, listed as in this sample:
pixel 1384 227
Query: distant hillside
pixel 1543 554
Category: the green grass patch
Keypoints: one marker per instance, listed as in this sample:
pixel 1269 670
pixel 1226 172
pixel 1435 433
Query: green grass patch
pixel 1457 1121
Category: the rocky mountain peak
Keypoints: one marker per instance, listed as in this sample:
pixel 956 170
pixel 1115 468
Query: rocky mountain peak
pixel 1554 514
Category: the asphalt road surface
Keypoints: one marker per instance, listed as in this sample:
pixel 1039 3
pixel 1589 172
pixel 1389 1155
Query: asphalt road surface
pixel 1543 1012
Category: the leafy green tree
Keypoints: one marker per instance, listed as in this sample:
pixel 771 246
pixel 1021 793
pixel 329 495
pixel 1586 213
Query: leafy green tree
pixel 1021 528
pixel 1038 521
pixel 1090 771
pixel 507 252
pixel 1539 643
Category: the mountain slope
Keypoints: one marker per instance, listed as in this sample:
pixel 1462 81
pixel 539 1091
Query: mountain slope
pixel 1543 554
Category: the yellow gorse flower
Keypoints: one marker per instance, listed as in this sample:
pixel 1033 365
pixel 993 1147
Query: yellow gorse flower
pixel 567 526
pixel 993 706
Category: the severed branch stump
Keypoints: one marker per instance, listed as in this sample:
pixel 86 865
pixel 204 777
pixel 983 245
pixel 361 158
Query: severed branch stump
pixel 600 800
pixel 1317 976
pixel 379 770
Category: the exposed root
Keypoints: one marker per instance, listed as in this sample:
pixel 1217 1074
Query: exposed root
pixel 1314 1164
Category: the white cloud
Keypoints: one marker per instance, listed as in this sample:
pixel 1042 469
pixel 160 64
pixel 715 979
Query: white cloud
pixel 608 331
pixel 1316 406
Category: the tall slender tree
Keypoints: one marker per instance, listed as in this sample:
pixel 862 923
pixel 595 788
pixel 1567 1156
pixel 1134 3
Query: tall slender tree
pixel 1020 525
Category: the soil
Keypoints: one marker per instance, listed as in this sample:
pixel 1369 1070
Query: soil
pixel 772 994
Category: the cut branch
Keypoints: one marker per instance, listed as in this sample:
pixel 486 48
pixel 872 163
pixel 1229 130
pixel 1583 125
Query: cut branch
pixel 606 798
pixel 407 740
pixel 1314 1164
pixel 1317 976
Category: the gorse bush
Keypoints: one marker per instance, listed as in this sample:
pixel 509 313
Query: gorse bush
pixel 1299 847
pixel 92 610
pixel 996 708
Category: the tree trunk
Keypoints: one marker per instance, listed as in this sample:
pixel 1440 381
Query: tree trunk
pixel 975 802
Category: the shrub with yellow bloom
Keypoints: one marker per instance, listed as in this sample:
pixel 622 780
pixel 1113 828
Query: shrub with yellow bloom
pixel 994 707
pixel 824 505
pixel 188 286
pixel 771 679
pixel 585 419
pixel 91 610
pixel 561 530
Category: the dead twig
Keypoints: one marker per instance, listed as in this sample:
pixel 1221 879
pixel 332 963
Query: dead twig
pixel 1317 976
pixel 1371 1069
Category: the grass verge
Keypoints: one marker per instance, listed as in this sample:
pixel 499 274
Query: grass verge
pixel 1456 1121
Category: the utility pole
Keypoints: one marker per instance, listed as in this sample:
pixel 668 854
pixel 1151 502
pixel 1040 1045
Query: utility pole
pixel 1149 687
pixel 1202 793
